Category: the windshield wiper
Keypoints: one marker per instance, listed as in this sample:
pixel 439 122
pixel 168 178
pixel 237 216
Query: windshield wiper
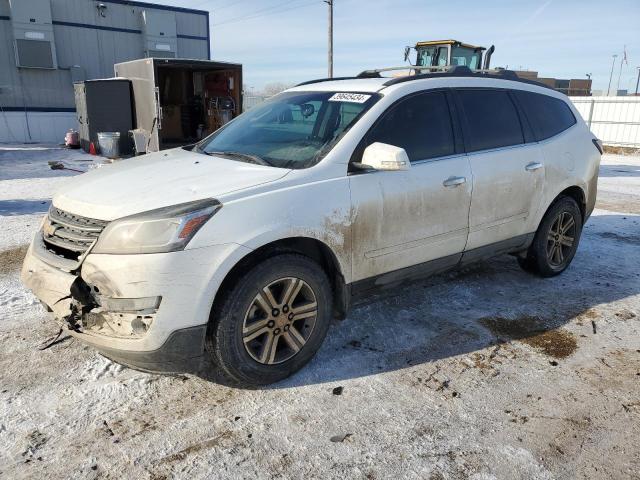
pixel 246 156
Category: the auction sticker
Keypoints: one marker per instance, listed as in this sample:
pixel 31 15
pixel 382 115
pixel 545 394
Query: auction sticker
pixel 350 97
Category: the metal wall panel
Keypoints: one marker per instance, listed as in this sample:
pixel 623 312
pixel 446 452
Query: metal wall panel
pixel 187 23
pixel 28 87
pixel 159 29
pixel 90 41
pixel 94 50
pixel 37 12
pixel 42 127
pixel 78 46
pixel 193 49
pixel 33 33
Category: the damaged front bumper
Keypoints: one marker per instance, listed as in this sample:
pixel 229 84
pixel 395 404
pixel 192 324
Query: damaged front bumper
pixel 148 311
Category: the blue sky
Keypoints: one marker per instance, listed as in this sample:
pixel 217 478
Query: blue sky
pixel 285 40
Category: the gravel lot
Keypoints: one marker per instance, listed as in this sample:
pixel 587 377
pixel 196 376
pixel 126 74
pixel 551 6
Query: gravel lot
pixel 482 373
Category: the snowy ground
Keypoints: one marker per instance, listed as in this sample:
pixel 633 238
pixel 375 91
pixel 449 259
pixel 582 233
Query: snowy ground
pixel 483 373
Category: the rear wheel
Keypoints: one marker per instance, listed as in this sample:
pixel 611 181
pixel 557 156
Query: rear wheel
pixel 556 241
pixel 272 321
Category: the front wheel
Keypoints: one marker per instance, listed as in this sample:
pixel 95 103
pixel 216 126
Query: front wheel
pixel 272 321
pixel 556 240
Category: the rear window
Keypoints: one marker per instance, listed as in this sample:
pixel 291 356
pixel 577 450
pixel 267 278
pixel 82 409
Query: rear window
pixel 548 116
pixel 492 119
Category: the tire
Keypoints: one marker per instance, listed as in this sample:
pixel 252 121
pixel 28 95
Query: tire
pixel 556 240
pixel 253 346
pixel 526 264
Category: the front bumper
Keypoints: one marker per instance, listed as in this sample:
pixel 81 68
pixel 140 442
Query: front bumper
pixel 182 352
pixel 187 282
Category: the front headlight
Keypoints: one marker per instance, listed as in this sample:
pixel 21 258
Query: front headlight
pixel 157 231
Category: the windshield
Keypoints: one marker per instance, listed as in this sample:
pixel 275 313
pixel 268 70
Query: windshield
pixel 466 57
pixel 291 130
pixel 432 56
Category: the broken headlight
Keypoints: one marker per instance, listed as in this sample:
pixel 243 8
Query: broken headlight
pixel 158 231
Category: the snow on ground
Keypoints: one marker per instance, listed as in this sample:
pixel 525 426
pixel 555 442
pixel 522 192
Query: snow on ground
pixel 482 373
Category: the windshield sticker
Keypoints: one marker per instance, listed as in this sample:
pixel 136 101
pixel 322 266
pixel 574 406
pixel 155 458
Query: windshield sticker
pixel 350 97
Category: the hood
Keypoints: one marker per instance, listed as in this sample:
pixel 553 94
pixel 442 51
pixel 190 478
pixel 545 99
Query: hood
pixel 158 180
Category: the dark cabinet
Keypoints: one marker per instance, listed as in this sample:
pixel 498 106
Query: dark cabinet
pixel 105 106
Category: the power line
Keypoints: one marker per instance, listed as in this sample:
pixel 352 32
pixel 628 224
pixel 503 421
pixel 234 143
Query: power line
pixel 258 13
pixel 266 11
pixel 218 8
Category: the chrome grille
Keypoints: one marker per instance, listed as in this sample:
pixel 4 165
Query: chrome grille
pixel 68 235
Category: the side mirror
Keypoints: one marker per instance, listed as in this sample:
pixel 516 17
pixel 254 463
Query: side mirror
pixel 407 51
pixel 381 156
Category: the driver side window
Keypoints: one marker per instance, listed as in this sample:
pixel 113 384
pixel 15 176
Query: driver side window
pixel 421 124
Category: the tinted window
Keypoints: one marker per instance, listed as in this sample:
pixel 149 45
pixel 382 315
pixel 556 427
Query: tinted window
pixel 492 119
pixel 548 116
pixel 421 124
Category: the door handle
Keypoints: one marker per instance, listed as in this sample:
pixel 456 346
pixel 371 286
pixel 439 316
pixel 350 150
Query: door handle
pixel 454 181
pixel 532 167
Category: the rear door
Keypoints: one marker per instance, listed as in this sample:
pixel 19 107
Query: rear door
pixel 508 172
pixel 412 218
pixel 148 112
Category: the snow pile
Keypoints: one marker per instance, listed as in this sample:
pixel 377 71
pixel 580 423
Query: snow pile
pixel 452 377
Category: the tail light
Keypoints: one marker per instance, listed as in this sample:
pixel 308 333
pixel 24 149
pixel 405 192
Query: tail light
pixel 598 143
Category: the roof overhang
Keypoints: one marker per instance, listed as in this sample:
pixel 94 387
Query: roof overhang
pixel 448 42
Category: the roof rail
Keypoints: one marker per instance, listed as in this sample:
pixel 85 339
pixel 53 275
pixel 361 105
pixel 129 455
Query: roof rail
pixel 462 71
pixel 375 73
pixel 433 72
pixel 319 80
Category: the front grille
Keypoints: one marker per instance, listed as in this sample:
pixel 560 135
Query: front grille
pixel 70 236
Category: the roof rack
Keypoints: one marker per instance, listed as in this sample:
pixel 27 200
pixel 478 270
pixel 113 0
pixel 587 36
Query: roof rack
pixel 319 80
pixel 372 74
pixel 433 72
pixel 456 71
pixel 375 73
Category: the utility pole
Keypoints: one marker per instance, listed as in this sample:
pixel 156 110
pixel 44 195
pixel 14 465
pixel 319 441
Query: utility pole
pixel 611 75
pixel 622 60
pixel 330 53
pixel 638 81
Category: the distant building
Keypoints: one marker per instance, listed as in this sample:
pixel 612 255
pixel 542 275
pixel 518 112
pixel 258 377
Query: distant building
pixel 574 87
pixel 46 45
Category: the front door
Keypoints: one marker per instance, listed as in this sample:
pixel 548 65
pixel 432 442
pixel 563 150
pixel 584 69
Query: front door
pixel 416 218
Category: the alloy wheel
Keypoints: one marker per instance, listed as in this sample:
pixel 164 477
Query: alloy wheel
pixel 279 320
pixel 561 239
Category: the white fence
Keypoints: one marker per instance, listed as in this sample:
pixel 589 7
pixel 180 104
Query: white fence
pixel 614 120
pixel 250 101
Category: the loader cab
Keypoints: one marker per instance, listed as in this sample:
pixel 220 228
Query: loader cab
pixel 442 53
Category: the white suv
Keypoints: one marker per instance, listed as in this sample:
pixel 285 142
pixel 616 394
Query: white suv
pixel 241 249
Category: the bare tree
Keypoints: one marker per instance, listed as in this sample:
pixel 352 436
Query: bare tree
pixel 274 88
